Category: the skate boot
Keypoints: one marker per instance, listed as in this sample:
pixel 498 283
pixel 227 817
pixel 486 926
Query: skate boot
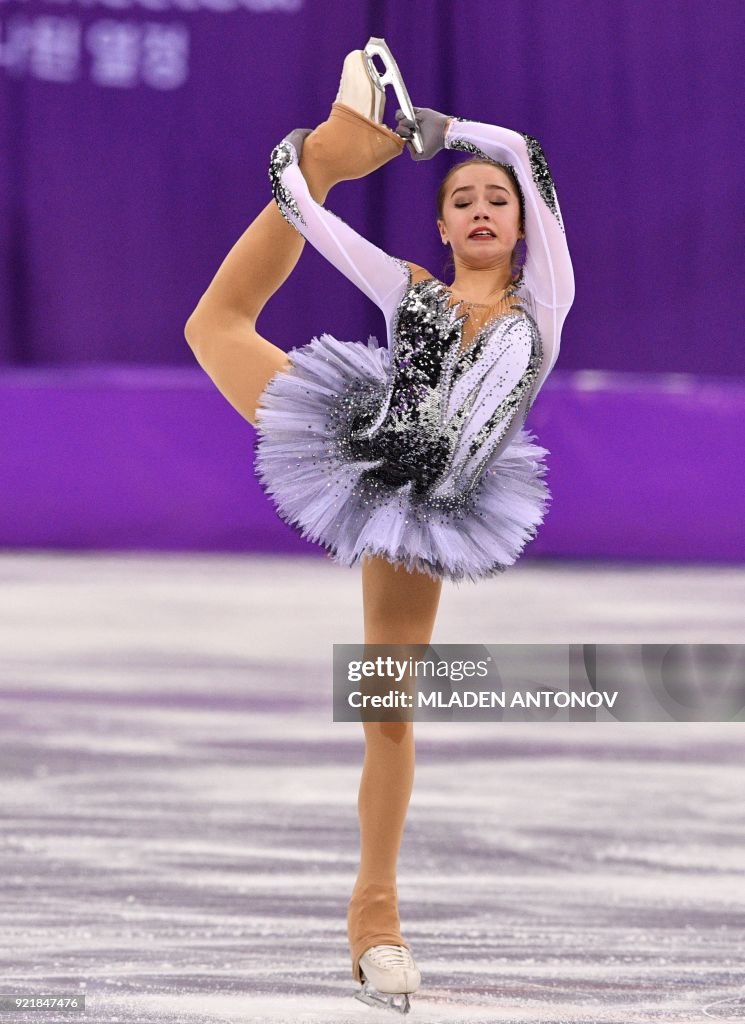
pixel 360 87
pixel 389 973
pixel 353 141
pixel 381 960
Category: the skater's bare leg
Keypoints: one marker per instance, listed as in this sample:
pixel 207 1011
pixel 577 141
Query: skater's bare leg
pixel 222 329
pixel 399 608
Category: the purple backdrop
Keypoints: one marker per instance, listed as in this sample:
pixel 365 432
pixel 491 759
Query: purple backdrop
pixel 135 137
pixel 134 144
pixel 144 458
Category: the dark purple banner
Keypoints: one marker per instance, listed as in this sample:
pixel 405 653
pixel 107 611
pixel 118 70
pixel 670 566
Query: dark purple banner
pixel 135 138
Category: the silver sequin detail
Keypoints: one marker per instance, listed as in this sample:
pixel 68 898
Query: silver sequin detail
pixel 282 156
pixel 467 147
pixel 542 175
pixel 507 409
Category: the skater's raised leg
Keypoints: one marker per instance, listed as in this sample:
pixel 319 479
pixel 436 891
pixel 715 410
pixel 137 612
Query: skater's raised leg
pixel 222 329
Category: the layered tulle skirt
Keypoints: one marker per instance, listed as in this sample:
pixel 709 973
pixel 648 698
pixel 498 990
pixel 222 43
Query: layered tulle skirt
pixel 304 462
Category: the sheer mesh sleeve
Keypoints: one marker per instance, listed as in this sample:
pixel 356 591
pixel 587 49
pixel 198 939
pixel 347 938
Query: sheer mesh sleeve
pixel 548 274
pixel 381 277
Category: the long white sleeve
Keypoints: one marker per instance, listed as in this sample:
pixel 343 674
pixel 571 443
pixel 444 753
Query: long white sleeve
pixel 381 277
pixel 548 275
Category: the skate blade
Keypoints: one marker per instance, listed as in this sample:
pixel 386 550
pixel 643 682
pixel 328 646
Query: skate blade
pixel 377 47
pixel 398 1001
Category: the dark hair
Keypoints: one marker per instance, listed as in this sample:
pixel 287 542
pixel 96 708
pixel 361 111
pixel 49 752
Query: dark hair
pixel 519 252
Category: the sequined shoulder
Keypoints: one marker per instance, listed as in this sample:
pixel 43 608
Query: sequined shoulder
pixel 417 274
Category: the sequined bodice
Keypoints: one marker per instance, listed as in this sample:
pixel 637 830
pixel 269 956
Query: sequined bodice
pixel 445 409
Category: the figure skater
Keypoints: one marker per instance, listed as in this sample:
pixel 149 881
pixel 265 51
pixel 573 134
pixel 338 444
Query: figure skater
pixel 410 460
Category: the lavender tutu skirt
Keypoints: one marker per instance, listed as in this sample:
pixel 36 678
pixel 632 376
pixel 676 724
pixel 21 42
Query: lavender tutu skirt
pixel 303 422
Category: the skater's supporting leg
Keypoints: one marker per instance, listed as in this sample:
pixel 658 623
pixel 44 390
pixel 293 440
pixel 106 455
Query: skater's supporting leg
pixel 400 608
pixel 222 329
pixel 383 799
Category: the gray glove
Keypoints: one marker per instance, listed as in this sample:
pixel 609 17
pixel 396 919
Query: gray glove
pixel 432 125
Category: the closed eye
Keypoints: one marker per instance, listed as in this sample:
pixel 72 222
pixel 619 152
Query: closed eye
pixel 459 206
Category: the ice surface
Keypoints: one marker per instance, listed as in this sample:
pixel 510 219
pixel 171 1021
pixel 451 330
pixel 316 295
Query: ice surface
pixel 179 834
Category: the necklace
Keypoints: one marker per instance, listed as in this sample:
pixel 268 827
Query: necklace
pixel 481 315
pixel 505 293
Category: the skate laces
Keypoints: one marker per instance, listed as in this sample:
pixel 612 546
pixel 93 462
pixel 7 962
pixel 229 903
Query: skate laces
pixel 390 956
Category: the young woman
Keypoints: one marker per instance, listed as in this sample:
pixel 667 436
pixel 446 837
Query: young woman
pixel 411 459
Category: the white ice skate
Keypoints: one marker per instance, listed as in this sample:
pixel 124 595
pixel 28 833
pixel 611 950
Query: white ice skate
pixel 389 974
pixel 364 88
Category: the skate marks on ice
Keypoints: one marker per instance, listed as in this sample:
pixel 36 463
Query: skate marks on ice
pixel 180 833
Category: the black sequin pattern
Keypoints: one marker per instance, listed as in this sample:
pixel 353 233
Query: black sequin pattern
pixel 405 432
pixel 282 156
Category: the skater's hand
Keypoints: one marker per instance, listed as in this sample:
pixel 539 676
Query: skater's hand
pixel 297 138
pixel 432 125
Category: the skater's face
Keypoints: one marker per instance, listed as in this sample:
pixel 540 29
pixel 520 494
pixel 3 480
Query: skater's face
pixel 479 196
